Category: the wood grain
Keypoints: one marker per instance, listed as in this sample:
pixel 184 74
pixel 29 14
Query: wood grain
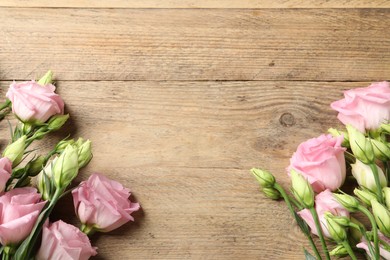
pixel 199 3
pixel 192 44
pixel 185 148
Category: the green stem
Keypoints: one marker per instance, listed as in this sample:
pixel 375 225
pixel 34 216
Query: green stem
pixel 374 229
pixel 379 194
pixel 295 202
pixel 319 231
pixel 88 230
pixel 349 250
pixel 6 104
pixel 362 230
pixel 287 200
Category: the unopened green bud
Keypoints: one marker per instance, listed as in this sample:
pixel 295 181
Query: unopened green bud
pixel 271 193
pixel 66 167
pixel 44 180
pixel 35 166
pixel 341 220
pixel 84 152
pixel 381 150
pixel 347 201
pixel 360 145
pixel 365 176
pixel 336 231
pixel 365 196
pixel 339 251
pixel 385 128
pixel 63 144
pixel 354 231
pixel 337 133
pixel 46 79
pixel 264 178
pixel 382 217
pixel 56 122
pixel 15 150
pixel 302 190
pixel 386 193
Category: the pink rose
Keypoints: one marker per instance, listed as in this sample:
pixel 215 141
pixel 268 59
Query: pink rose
pixel 321 161
pixel 5 172
pixel 382 251
pixel 102 203
pixel 365 108
pixel 324 202
pixel 32 102
pixel 20 208
pixel 64 241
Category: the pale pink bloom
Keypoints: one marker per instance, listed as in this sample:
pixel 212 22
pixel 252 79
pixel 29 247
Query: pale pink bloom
pixel 32 102
pixel 324 202
pixel 62 241
pixel 20 208
pixel 5 172
pixel 383 252
pixel 365 108
pixel 103 203
pixel 321 161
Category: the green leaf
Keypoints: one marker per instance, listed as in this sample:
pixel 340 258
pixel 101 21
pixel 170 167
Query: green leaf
pixel 308 256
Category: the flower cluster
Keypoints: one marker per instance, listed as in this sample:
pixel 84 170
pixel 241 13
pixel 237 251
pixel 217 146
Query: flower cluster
pixel 318 170
pixel 31 185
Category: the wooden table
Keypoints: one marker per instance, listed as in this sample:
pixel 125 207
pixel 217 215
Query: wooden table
pixel 182 97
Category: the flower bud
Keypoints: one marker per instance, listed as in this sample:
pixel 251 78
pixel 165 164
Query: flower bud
pixel 63 144
pixel 66 167
pixel 334 132
pixel 84 151
pixel 347 201
pixel 381 150
pixel 265 178
pixel 46 79
pixel 360 145
pixel 15 150
pixel 35 166
pixel 339 251
pixel 271 193
pixel 56 122
pixel 341 220
pixel 365 196
pixel 365 177
pixel 302 190
pixel 386 193
pixel 44 180
pixel 382 217
pixel 385 128
pixel 336 231
pixel 355 232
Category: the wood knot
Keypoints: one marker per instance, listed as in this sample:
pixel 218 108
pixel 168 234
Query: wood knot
pixel 287 119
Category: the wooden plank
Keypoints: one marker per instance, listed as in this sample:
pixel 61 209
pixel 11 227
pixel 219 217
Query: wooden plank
pixel 157 44
pixel 199 3
pixel 185 148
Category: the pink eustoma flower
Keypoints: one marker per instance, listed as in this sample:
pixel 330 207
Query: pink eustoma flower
pixel 62 241
pixel 5 172
pixel 20 208
pixel 365 108
pixel 382 251
pixel 34 103
pixel 102 203
pixel 324 202
pixel 321 161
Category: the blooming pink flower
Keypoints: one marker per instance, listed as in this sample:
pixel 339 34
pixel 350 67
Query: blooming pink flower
pixel 20 208
pixel 103 203
pixel 5 172
pixel 321 161
pixel 64 241
pixel 365 108
pixel 324 202
pixel 34 103
pixel 382 251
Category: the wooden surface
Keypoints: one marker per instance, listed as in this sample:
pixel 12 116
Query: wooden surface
pixel 181 103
